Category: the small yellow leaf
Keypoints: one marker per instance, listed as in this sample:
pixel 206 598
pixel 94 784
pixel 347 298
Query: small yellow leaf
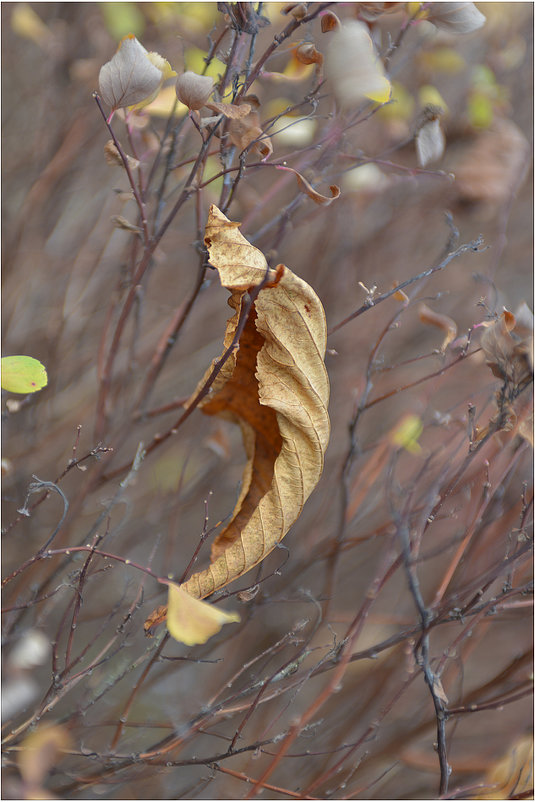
pixel 23 374
pixel 406 434
pixel 192 621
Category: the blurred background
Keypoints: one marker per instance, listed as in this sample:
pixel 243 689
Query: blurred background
pixel 67 267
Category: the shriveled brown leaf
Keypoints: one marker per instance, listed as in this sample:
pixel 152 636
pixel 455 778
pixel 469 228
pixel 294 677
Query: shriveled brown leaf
pixel 308 189
pixel 156 618
pixel 245 131
pixel 276 388
pixel 508 351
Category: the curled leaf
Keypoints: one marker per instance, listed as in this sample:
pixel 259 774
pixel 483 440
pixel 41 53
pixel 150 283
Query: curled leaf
pixel 23 374
pixel 192 621
pixel 353 67
pixel 194 90
pixel 447 324
pixel 308 189
pixel 131 77
pixel 276 388
pixel 455 17
pixel 246 130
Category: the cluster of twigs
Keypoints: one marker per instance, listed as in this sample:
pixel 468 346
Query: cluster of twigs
pixel 348 669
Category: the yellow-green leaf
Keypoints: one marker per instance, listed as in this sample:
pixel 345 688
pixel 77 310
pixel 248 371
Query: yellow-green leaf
pixel 23 374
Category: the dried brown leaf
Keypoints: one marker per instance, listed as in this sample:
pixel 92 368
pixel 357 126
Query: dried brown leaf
pixel 276 388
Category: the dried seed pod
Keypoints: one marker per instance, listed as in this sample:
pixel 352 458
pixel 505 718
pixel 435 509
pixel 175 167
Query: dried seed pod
pixel 193 90
pixel 330 22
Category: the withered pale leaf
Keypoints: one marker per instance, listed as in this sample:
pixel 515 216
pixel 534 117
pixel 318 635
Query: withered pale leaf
pixel 276 388
pixel 353 67
pixel 461 17
pixel 430 142
pixel 130 77
pixel 192 621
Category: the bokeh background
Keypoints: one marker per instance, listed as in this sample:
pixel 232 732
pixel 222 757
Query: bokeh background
pixel 66 269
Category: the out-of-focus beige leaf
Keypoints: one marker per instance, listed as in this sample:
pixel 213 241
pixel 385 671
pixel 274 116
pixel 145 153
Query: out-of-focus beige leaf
pixel 455 17
pixel 513 774
pixel 130 77
pixel 447 324
pixel 492 168
pixel 276 388
pixel 308 189
pixel 353 67
pixel 192 621
pixel 39 753
pixel 25 22
pixel 430 142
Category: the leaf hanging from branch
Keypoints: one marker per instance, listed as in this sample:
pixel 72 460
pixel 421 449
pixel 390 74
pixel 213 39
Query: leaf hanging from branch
pixel 276 388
